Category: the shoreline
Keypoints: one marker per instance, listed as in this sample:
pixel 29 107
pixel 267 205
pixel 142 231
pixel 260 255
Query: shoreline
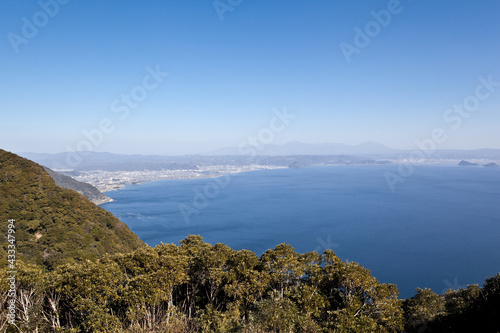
pixel 108 181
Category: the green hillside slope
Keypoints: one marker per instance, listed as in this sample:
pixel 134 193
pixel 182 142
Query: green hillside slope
pixel 91 192
pixel 54 225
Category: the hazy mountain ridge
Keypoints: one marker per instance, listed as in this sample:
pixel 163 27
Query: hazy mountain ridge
pixel 291 153
pixel 84 161
pixel 116 162
pixel 366 149
pixel 301 148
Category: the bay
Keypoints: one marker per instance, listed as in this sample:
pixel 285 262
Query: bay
pixel 439 229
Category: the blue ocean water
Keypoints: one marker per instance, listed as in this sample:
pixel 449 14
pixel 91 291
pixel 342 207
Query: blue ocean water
pixel 439 229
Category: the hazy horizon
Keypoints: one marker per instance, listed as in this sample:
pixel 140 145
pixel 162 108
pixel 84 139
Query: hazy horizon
pixel 171 78
pixel 218 151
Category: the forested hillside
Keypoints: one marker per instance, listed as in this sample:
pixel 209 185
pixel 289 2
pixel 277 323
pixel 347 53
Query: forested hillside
pixel 199 287
pixel 91 192
pixel 53 224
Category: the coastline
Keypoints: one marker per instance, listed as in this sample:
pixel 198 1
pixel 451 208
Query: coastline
pixel 102 202
pixel 107 181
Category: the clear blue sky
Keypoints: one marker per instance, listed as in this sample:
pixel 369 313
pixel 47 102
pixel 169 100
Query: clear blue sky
pixel 227 76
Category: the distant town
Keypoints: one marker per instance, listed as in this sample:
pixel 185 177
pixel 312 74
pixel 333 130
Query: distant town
pixel 113 180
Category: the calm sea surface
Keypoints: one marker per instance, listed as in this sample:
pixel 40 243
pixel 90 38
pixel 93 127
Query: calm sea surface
pixel 439 229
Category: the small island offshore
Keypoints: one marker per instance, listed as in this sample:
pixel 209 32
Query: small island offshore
pixel 488 165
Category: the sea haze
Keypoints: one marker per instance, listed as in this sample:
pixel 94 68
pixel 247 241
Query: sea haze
pixel 439 229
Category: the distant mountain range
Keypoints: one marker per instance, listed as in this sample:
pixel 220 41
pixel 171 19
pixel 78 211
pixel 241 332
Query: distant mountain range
pixel 87 160
pixel 92 161
pixel 291 153
pixel 300 148
pixel 366 149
